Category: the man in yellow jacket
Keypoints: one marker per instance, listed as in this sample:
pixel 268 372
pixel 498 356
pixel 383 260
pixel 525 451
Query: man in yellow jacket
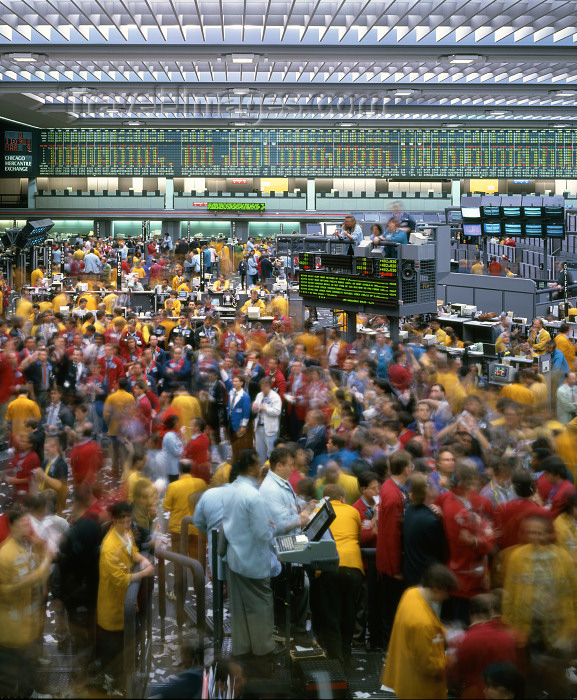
pixel 24 571
pixel 415 665
pixel 180 500
pixel 565 345
pixel 538 337
pixel 336 593
pixel 117 405
pixel 119 557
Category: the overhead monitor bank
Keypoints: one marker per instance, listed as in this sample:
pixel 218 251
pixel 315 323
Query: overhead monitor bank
pixel 286 152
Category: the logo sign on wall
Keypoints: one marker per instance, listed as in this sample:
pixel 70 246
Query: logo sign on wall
pixel 18 152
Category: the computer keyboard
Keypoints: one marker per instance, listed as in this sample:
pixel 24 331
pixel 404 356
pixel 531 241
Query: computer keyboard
pixel 286 543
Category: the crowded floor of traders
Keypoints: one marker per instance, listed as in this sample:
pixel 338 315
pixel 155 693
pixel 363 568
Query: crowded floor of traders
pixel 116 425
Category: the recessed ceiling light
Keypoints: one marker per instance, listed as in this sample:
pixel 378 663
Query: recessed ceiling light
pixel 133 123
pixel 453 125
pixel 243 57
pixel 24 57
pixel 560 125
pixel 464 58
pixel 242 91
pixel 345 124
pixel 563 93
pixel 404 92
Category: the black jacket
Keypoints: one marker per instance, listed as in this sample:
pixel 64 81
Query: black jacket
pixel 424 542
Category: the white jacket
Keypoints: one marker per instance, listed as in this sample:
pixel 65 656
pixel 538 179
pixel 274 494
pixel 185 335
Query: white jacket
pixel 271 411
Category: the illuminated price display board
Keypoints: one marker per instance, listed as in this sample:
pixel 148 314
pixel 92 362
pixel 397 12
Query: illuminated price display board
pixel 325 286
pixel 238 206
pixel 381 153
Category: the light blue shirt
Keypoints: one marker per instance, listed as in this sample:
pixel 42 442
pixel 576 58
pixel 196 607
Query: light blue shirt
pixel 172 449
pixel 252 266
pixel 281 503
pixel 91 264
pixel 357 235
pixel 247 530
pixel 208 517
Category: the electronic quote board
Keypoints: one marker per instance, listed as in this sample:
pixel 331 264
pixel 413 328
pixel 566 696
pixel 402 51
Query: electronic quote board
pixel 278 152
pixel 332 287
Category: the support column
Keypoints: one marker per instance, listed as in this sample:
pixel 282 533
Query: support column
pixel 311 194
pixel 456 193
pixel 169 194
pixel 32 190
pixel 350 326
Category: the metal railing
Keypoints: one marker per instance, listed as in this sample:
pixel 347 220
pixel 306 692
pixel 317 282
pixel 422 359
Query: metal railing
pixel 183 564
pixel 138 636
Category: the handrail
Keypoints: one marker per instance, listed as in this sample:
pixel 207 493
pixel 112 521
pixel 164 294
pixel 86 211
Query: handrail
pixel 184 523
pixel 197 571
pixel 135 675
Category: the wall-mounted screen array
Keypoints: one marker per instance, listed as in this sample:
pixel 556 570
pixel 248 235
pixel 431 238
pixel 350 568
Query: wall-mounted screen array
pixel 288 152
pixel 513 216
pixel 327 286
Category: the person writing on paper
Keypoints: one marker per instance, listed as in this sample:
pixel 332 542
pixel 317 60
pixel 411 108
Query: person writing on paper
pixel 350 231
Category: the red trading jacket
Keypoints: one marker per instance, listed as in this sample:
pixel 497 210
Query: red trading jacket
pixel 483 644
pixel 86 460
pixel 144 412
pixel 138 337
pixel 509 518
pixel 25 465
pixel 300 406
pixel 558 497
pixel 468 561
pixel 112 374
pixel 197 450
pixel 278 382
pixel 7 379
pixel 392 503
pixel 368 537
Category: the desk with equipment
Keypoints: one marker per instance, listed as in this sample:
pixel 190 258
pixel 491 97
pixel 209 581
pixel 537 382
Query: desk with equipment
pixel 307 549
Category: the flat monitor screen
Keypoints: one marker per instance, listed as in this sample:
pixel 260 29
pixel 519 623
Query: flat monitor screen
pixel 555 230
pixel 455 215
pixel 532 211
pixel 511 211
pixel 320 522
pixel 513 228
pixel 533 228
pixel 490 211
pixel 471 212
pixel 502 373
pixel 472 229
pixel 492 228
pixel 554 212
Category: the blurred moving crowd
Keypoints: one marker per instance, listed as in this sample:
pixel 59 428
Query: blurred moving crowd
pixel 116 429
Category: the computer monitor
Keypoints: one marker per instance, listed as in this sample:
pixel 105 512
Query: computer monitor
pixel 501 374
pixel 490 210
pixel 471 212
pixel 554 230
pixel 531 212
pixel 533 228
pixel 472 229
pixel 320 523
pixel 492 228
pixel 511 211
pixel 513 228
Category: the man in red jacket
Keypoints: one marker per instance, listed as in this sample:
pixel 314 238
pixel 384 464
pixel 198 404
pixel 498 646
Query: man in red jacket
pixel 393 501
pixel 486 642
pixel 470 536
pixel 562 489
pixel 277 378
pixel 112 368
pixel 509 517
pixel 86 458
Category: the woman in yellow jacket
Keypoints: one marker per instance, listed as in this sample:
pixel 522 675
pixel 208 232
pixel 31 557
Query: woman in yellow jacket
pixel 119 557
